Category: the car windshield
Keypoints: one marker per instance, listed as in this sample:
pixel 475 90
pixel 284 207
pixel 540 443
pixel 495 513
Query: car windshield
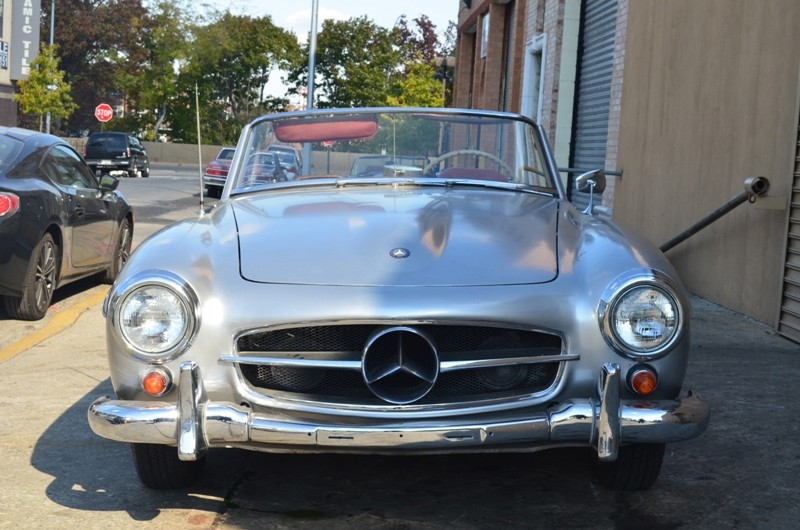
pixel 417 145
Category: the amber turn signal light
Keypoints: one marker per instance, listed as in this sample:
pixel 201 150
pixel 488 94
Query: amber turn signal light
pixel 643 381
pixel 156 382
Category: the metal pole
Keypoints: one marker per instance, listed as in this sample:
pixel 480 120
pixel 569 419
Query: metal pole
pixel 754 187
pixel 199 147
pixel 52 28
pixel 312 52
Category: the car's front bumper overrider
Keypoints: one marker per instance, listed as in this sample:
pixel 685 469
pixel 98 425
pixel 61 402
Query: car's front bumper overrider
pixel 195 424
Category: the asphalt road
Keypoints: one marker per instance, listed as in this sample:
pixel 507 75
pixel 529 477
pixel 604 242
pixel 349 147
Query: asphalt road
pixel 742 473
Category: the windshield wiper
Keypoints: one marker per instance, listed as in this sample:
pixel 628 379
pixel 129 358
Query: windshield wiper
pixel 446 183
pixel 497 185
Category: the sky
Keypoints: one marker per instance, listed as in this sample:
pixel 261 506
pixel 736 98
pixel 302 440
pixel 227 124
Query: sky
pixel 295 15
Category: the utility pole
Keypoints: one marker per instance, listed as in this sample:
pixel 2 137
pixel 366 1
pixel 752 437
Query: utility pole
pixel 52 28
pixel 312 54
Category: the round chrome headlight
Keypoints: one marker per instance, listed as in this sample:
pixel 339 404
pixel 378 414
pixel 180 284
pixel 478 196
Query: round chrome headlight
pixel 155 320
pixel 642 320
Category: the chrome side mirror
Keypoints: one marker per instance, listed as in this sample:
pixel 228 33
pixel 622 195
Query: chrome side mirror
pixel 591 182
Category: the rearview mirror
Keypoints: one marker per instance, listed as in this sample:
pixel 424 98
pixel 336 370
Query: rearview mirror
pixel 591 181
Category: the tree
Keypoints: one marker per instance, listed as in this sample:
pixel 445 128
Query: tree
pixel 99 43
pixel 419 45
pixel 45 90
pixel 355 60
pixel 419 42
pixel 231 61
pixel 166 35
pixel 417 87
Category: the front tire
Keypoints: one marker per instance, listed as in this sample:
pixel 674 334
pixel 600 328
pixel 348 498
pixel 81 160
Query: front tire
pixel 39 283
pixel 121 252
pixel 158 467
pixel 636 469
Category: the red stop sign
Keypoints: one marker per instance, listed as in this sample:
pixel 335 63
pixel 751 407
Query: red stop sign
pixel 103 112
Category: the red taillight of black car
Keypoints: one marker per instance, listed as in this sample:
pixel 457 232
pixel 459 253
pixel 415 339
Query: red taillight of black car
pixel 9 203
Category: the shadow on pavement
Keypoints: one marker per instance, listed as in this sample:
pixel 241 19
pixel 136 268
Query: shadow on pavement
pixel 93 474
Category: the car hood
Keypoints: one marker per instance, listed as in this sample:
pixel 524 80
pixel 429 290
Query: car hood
pixel 397 237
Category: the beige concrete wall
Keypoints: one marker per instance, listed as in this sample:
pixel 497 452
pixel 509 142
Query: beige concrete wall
pixel 170 153
pixel 186 154
pixel 710 96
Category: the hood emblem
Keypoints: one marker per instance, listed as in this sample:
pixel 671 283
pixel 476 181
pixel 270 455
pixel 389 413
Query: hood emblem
pixel 399 253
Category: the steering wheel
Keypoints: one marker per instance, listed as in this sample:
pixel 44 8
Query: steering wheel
pixel 474 152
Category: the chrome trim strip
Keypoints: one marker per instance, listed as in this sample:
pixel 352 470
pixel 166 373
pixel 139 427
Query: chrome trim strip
pixel 444 366
pixel 447 366
pixel 296 363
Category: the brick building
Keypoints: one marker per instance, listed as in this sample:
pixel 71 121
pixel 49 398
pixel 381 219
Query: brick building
pixel 680 101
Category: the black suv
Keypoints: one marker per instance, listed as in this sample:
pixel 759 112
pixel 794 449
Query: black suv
pixel 116 153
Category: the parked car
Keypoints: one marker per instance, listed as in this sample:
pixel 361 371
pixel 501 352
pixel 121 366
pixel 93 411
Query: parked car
pixel 290 158
pixel 58 222
pixel 216 172
pixel 466 308
pixel 117 153
pixel 263 167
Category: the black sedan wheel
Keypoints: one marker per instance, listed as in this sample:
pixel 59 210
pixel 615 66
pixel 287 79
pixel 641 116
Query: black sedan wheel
pixel 636 468
pixel 159 467
pixel 134 171
pixel 121 253
pixel 40 282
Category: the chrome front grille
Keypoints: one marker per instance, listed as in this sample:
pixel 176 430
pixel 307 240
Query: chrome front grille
pixel 324 363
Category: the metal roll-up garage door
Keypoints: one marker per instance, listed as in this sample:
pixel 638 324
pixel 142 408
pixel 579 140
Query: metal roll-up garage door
pixel 789 323
pixel 593 92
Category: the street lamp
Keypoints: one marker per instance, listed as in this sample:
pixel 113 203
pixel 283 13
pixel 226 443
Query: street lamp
pixel 442 62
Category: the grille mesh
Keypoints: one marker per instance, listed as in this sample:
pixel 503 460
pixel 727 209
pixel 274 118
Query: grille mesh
pixel 452 342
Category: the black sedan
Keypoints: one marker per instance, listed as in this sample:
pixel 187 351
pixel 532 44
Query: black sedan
pixel 58 222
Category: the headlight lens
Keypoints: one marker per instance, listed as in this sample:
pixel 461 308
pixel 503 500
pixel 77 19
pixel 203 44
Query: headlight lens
pixel 154 319
pixel 644 319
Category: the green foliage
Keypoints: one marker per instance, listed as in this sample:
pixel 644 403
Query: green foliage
pixel 45 90
pixel 417 88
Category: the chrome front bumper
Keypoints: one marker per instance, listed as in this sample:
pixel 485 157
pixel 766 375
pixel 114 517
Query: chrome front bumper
pixel 195 424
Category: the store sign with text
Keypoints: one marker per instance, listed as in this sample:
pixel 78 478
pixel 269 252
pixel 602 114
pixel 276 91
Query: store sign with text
pixel 25 15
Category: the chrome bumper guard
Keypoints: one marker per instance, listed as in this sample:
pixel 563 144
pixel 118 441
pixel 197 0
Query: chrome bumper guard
pixel 194 424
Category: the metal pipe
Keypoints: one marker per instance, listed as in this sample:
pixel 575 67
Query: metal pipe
pixel 754 188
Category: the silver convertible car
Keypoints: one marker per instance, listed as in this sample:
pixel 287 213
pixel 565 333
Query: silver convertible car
pixel 455 303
